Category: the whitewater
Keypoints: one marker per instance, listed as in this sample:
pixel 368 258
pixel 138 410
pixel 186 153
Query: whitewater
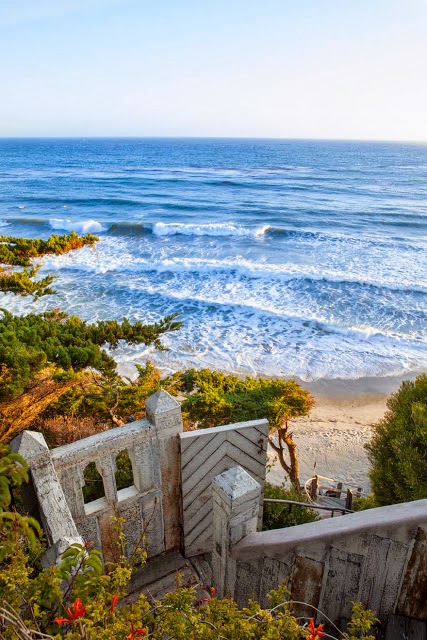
pixel 302 258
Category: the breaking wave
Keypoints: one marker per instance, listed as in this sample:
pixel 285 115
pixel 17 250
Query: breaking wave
pixel 80 226
pixel 212 229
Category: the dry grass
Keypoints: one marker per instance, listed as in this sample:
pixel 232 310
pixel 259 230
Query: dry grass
pixel 61 430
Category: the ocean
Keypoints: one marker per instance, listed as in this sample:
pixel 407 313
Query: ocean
pixel 281 257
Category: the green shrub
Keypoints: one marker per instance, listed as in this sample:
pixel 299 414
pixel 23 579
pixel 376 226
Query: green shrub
pixel 19 252
pixel 277 516
pixel 364 502
pixel 398 449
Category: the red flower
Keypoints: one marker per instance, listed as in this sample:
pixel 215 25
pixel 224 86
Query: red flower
pixel 213 592
pixel 114 601
pixel 315 632
pixel 136 632
pixel 76 611
pixel 61 620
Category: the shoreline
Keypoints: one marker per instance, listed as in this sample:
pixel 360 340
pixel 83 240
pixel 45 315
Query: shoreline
pixel 347 388
pixel 337 388
pixel 330 440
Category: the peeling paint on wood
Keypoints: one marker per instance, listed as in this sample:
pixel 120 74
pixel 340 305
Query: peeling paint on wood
pixel 306 583
pixel 248 578
pixel 413 594
pixel 341 585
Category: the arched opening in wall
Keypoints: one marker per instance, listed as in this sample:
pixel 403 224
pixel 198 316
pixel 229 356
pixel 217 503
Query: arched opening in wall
pixel 93 488
pixel 124 475
pixel 24 499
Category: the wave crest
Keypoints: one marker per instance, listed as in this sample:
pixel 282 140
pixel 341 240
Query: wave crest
pixel 81 226
pixel 211 229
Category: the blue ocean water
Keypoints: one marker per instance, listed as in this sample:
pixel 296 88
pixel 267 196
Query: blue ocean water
pixel 303 258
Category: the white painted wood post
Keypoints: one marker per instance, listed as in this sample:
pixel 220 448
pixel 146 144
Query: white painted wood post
pixel 106 469
pixel 164 413
pixel 235 514
pixel 55 514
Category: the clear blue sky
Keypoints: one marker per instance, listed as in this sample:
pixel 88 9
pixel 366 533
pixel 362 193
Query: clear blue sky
pixel 262 68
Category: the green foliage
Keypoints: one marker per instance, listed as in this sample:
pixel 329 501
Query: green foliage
pixel 398 449
pixel 19 252
pixel 80 565
pixel 216 398
pixel 124 472
pixel 107 400
pixel 94 485
pixel 23 283
pixel 361 623
pixel 13 471
pixel 364 502
pixel 40 354
pixel 13 525
pixel 277 516
pixel 30 343
pixel 93 488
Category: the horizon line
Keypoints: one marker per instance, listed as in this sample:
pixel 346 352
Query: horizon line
pixel 184 137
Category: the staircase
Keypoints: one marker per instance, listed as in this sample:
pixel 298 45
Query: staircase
pixel 159 576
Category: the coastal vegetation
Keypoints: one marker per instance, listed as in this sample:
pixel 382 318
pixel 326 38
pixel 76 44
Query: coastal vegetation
pixel 398 449
pixel 41 356
pixel 97 401
pixel 277 516
pixel 21 252
pixel 209 398
pixel 57 377
pixel 44 355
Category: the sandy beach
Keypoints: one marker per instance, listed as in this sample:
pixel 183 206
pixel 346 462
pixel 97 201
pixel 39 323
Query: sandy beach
pixel 334 434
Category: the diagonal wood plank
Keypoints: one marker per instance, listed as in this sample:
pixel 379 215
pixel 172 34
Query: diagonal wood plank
pixel 191 448
pixel 198 482
pixel 204 456
pixel 198 461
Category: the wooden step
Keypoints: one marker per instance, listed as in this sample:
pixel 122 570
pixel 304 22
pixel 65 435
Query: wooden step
pixel 159 576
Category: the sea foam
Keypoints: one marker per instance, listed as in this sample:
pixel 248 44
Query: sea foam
pixel 80 226
pixel 212 229
pixel 116 258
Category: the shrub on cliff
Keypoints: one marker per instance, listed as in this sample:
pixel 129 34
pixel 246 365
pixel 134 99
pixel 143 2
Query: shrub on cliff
pixel 20 252
pixel 398 449
pixel 30 343
pixel 41 354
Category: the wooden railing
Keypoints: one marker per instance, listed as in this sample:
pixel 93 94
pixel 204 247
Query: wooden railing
pixel 312 488
pixel 309 505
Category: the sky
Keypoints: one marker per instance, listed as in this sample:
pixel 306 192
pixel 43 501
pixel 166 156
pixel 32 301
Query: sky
pixel 340 69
